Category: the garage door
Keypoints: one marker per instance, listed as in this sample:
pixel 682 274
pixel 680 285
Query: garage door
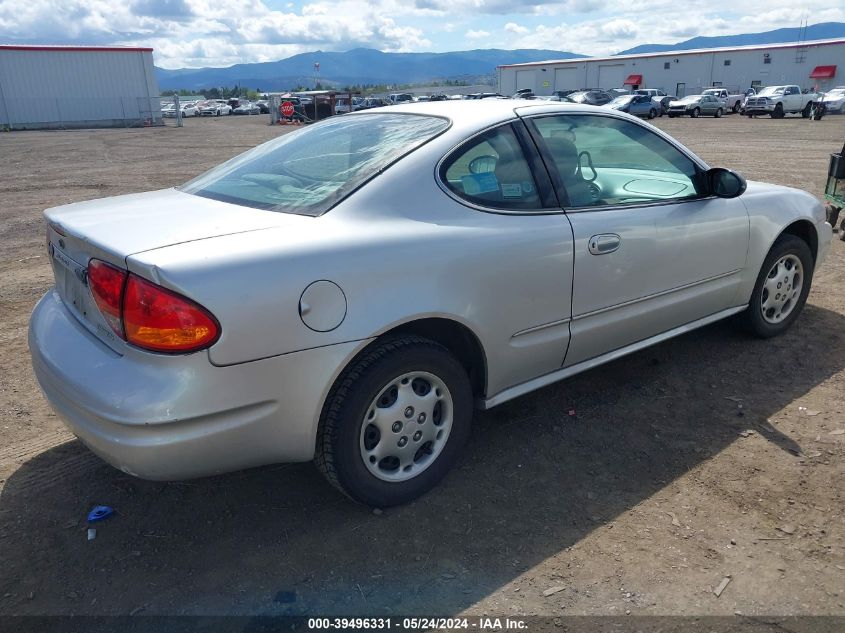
pixel 525 79
pixel 566 79
pixel 611 76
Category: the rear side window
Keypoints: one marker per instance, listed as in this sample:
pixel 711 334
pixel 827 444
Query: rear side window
pixel 491 170
pixel 309 171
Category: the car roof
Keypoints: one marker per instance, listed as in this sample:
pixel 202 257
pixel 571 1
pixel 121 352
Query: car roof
pixel 475 114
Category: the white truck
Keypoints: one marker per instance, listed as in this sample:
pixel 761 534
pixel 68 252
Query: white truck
pixel 777 101
pixel 731 102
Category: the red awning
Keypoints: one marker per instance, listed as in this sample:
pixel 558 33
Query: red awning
pixel 633 80
pixel 823 72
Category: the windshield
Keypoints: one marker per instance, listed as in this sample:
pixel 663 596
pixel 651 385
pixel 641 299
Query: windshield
pixel 771 90
pixel 620 100
pixel 309 171
pixel 713 92
pixel 837 92
pixel 689 99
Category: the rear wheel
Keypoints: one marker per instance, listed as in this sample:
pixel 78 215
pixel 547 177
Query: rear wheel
pixel 735 109
pixel 395 422
pixel 652 113
pixel 695 112
pixel 718 114
pixel 805 113
pixel 782 287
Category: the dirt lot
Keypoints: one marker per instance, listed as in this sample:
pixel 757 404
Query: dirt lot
pixel 710 456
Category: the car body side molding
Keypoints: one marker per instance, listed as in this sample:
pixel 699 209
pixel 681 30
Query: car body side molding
pixel 566 372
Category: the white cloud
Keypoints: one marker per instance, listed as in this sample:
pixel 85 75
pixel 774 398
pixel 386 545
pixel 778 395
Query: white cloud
pixel 513 27
pixel 224 32
pixel 476 35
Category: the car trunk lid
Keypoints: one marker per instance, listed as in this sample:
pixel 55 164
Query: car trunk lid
pixel 112 229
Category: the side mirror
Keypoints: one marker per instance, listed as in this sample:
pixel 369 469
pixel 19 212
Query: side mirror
pixel 725 183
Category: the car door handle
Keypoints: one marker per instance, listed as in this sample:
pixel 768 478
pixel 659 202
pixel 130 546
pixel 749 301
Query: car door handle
pixel 604 243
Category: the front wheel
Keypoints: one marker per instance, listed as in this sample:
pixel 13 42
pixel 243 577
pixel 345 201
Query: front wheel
pixel 782 287
pixel 805 113
pixel 778 112
pixel 695 112
pixel 671 116
pixel 395 422
pixel 652 113
pixel 719 113
pixel 736 107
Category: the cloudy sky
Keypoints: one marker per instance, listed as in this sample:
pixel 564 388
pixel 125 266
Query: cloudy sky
pixel 193 33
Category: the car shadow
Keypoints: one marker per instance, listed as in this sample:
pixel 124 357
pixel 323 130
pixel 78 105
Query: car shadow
pixel 539 474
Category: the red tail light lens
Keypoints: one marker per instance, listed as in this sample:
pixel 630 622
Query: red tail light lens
pixel 106 283
pixel 147 315
pixel 162 321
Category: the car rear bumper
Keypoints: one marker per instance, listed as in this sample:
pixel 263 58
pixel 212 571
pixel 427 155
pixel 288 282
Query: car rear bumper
pixel 170 417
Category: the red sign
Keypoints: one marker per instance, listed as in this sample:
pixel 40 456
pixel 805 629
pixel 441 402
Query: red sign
pixel 287 109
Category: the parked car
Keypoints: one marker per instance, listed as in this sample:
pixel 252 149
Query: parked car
pixel 651 92
pixel 778 101
pixel 168 110
pixel 730 102
pixel 696 105
pixel 663 103
pixel 563 93
pixel 296 303
pixel 373 102
pixel 263 106
pixel 589 97
pixel 638 105
pixel 247 107
pixel 215 108
pixel 400 98
pixel 342 105
pixel 834 100
pixel 494 95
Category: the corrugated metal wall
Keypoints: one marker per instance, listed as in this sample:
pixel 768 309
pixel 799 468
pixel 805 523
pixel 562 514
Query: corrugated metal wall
pixel 76 88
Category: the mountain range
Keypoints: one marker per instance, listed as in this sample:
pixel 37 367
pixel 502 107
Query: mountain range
pixel 369 66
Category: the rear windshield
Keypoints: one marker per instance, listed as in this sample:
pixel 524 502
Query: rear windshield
pixel 308 171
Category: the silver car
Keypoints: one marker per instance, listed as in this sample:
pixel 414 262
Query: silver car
pixel 350 292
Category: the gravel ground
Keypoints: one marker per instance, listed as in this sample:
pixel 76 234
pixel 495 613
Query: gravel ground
pixel 635 488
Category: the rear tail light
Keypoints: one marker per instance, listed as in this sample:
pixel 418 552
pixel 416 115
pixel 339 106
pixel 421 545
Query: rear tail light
pixel 162 321
pixel 147 315
pixel 106 283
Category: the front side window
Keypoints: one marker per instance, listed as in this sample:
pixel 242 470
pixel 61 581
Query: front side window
pixel 608 161
pixel 309 171
pixel 491 170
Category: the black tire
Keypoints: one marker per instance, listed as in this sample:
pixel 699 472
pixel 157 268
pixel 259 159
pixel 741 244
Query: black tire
pixel 750 116
pixel 805 113
pixel 338 451
pixel 695 112
pixel 778 111
pixel 735 109
pixel 718 114
pixel 785 245
pixel 652 113
pixel 842 230
pixel 671 116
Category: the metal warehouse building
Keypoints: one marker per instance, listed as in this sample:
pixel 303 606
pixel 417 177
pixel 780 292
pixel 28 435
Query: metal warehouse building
pixel 44 87
pixel 807 64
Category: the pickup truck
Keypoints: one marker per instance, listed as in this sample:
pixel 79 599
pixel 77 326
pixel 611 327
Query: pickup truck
pixel 777 101
pixel 731 102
